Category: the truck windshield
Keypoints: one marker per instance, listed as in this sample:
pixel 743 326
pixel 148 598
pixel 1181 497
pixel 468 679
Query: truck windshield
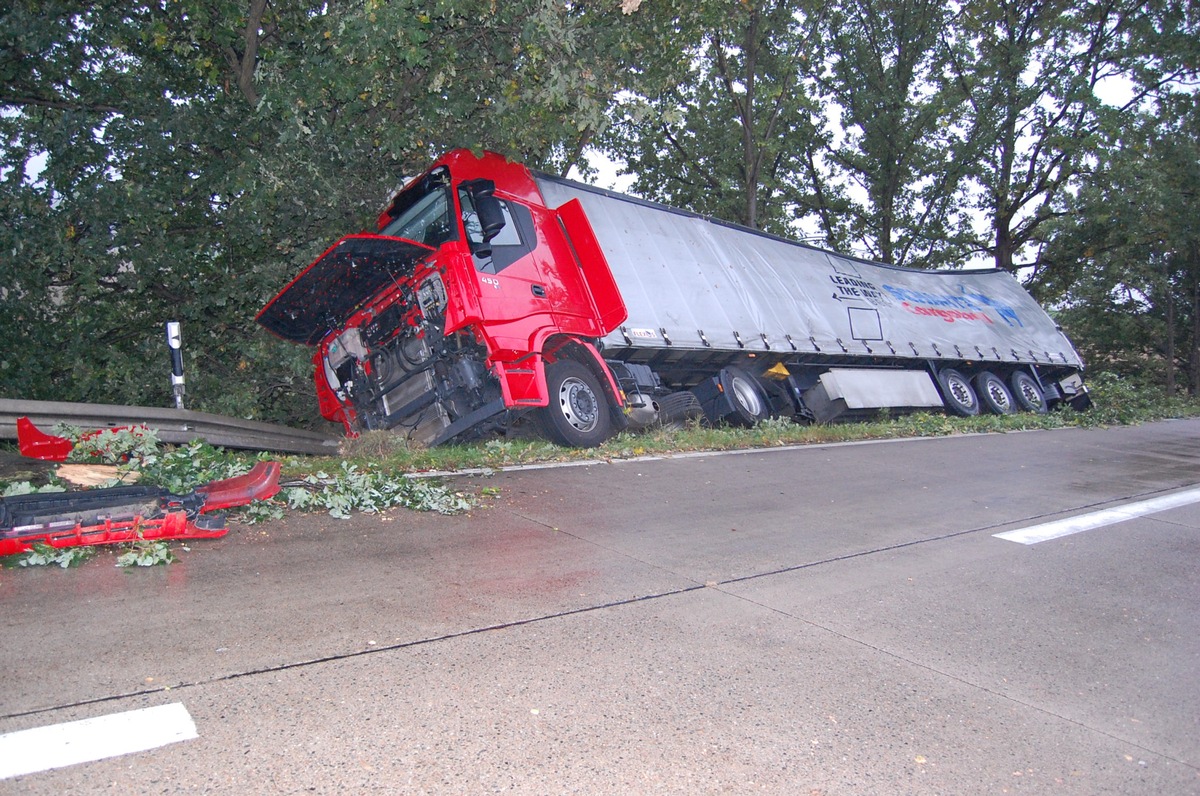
pixel 427 218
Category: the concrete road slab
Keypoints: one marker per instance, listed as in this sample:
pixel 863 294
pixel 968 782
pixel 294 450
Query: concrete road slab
pixel 701 693
pixel 302 589
pixel 826 620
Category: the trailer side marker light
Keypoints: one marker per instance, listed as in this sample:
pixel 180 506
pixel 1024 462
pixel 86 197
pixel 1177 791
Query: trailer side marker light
pixel 1098 519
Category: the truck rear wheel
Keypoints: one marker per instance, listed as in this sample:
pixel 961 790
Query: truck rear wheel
pixel 994 394
pixel 960 398
pixel 1028 393
pixel 578 413
pixel 748 400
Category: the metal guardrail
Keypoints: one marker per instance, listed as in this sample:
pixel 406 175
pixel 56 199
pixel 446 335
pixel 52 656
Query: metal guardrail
pixel 176 426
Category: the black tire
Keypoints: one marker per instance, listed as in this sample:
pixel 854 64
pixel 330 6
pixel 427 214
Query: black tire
pixel 577 416
pixel 1028 393
pixel 957 393
pixel 746 396
pixel 676 409
pixel 994 394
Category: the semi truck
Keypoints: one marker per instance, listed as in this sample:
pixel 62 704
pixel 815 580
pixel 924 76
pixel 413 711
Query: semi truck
pixel 489 292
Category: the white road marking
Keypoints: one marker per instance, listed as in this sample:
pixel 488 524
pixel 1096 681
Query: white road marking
pixel 1098 519
pixel 59 745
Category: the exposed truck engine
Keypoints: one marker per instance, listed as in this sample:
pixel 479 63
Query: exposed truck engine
pixel 490 292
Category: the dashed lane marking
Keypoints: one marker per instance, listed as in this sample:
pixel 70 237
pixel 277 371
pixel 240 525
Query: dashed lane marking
pixel 60 745
pixel 1098 519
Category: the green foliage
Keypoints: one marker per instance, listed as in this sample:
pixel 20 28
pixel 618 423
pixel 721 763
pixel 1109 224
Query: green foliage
pixel 730 132
pixel 41 554
pixel 26 488
pixel 1124 265
pixel 182 468
pixel 182 161
pixel 351 489
pixel 146 553
pixel 110 446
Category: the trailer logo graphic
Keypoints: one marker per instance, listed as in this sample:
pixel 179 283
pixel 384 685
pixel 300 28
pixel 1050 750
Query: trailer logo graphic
pixel 967 306
pixel 855 287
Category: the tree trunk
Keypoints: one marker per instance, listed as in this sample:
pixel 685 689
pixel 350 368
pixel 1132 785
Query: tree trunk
pixel 1194 352
pixel 1170 353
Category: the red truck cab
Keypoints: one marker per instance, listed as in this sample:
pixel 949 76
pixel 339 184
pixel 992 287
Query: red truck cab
pixel 472 302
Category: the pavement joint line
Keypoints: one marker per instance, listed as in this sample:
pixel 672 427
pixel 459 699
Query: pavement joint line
pixel 516 623
pixel 1101 518
pixel 84 741
pixel 531 620
pixel 341 656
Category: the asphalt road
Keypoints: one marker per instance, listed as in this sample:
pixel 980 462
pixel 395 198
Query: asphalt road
pixel 818 620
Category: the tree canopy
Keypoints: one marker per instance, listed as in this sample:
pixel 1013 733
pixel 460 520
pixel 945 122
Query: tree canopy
pixel 181 161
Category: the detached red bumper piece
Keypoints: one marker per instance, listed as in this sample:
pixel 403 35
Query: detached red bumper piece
pixel 128 513
pixel 37 444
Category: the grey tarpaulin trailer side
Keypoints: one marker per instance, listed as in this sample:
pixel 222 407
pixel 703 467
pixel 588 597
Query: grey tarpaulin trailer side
pixel 851 333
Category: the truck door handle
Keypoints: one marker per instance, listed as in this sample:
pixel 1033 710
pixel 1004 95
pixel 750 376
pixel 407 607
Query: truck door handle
pixel 538 291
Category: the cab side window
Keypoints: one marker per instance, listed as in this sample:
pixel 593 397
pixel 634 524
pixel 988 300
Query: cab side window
pixel 513 242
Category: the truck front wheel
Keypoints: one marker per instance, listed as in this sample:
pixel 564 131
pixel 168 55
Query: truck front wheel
pixel 578 413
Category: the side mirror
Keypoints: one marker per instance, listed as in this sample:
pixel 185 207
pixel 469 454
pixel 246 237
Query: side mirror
pixel 487 210
pixel 491 217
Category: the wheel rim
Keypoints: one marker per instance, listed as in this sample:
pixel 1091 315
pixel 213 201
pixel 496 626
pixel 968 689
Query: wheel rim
pixel 998 394
pixel 961 391
pixel 747 397
pixel 578 404
pixel 1030 393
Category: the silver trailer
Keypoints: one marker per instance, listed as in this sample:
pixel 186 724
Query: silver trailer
pixel 832 335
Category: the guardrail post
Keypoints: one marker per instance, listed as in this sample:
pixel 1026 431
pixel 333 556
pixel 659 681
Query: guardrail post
pixel 175 343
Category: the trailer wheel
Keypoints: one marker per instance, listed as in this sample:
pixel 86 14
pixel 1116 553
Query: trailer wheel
pixel 578 414
pixel 960 398
pixel 1028 393
pixel 994 394
pixel 748 400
